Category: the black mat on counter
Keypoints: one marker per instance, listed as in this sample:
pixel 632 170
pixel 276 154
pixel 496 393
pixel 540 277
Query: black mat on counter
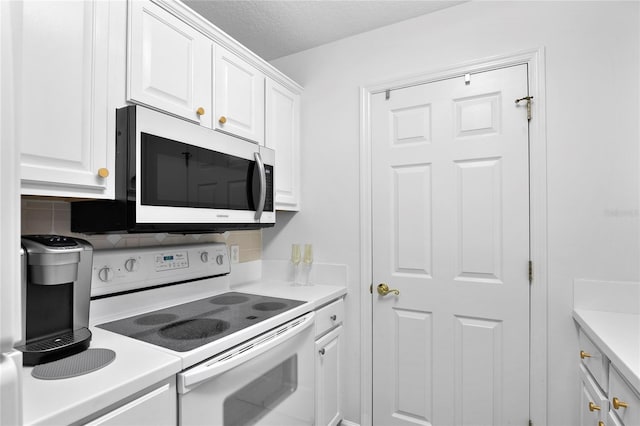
pixel 74 365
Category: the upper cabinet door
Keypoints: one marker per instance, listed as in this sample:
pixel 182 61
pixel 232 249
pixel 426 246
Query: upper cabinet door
pixel 169 63
pixel 239 97
pixel 283 135
pixel 64 53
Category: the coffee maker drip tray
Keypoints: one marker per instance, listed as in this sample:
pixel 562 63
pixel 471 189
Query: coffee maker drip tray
pixel 190 325
pixel 56 347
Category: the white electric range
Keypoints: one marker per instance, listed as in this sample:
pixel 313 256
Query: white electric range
pixel 246 358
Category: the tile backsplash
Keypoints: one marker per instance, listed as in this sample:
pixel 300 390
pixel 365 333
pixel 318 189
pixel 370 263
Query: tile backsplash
pixel 44 216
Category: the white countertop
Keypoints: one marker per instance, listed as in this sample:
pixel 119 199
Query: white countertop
pixel 617 335
pixel 137 366
pixel 60 402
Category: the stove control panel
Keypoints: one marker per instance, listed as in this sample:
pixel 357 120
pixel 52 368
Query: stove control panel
pixel 123 270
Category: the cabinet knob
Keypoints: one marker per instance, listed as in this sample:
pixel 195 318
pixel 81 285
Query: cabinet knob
pixel 593 407
pixel 617 404
pixel 600 423
pixel 321 351
pixel 103 172
pixel 200 111
pixel 584 355
pixel 222 119
pixel 333 317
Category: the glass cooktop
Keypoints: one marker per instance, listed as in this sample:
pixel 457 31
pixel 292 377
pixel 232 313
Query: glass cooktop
pixel 190 325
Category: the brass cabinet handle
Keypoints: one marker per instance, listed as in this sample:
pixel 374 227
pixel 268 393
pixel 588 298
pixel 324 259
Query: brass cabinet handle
pixel 103 172
pixel 617 404
pixel 600 423
pixel 200 111
pixel 222 119
pixel 593 407
pixel 384 289
pixel 584 355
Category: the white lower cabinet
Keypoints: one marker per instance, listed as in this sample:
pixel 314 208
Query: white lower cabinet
pixel 70 69
pixel 155 407
pixel 606 398
pixel 328 364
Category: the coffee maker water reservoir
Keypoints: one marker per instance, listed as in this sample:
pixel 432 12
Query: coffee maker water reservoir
pixel 56 288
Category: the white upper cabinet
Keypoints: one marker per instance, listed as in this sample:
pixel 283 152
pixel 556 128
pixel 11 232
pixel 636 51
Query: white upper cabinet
pixel 169 63
pixel 68 56
pixel 239 96
pixel 283 135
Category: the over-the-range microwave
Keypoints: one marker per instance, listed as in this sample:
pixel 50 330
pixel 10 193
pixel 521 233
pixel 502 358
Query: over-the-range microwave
pixel 176 176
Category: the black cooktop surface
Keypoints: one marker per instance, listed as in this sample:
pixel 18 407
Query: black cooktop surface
pixel 190 325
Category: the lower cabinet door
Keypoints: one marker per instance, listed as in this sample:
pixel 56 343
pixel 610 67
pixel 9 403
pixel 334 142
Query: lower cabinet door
pixel 328 379
pixel 154 408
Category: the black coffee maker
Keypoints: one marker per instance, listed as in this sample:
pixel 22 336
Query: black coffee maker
pixel 56 288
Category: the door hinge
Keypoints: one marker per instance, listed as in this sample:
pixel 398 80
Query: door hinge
pixel 528 99
pixel 530 272
pixel 387 94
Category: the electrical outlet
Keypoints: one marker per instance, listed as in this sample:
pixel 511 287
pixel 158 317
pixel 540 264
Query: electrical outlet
pixel 235 253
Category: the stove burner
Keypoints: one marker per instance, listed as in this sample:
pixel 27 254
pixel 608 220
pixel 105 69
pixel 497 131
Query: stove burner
pixel 269 306
pixel 198 328
pixel 155 319
pixel 228 300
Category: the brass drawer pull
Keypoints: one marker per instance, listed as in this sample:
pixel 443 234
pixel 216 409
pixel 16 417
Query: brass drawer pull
pixel 617 404
pixel 584 355
pixel 593 407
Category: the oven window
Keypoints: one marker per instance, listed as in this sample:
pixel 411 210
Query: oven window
pixel 250 403
pixel 176 174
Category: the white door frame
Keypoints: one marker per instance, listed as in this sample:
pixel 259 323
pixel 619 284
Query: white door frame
pixel 534 58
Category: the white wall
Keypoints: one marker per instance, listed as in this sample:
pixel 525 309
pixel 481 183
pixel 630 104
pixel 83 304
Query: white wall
pixel 592 73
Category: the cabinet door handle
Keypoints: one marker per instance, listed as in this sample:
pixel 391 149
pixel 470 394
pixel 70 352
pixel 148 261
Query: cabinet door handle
pixel 222 120
pixel 593 407
pixel 333 317
pixel 617 404
pixel 584 355
pixel 103 172
pixel 200 111
pixel 321 351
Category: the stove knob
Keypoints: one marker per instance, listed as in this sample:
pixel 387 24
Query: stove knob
pixel 105 274
pixel 220 259
pixel 204 256
pixel 131 265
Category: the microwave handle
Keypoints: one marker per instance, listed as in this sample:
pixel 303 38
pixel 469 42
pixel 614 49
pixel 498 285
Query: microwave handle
pixel 263 185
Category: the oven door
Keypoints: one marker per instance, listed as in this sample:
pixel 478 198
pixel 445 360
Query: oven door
pixel 266 381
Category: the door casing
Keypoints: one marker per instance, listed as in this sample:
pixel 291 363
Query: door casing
pixel 534 58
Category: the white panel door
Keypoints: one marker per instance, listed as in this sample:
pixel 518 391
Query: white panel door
pixel 169 64
pixel 451 233
pixel 239 96
pixel 282 134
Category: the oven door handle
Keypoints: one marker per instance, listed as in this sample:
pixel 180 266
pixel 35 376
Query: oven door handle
pixel 189 379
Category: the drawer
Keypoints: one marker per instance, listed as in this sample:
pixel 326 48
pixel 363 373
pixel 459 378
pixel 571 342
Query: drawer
pixel 329 316
pixel 624 395
pixel 593 360
pixel 594 405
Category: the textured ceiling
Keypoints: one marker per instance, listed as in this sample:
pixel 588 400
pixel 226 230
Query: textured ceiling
pixel 273 29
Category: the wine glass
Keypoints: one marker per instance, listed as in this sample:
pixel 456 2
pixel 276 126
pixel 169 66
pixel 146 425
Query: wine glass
pixel 307 259
pixel 296 257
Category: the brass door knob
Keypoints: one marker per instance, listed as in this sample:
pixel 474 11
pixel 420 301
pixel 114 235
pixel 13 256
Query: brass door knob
pixel 584 355
pixel 617 404
pixel 593 407
pixel 384 289
pixel 103 172
pixel 222 119
pixel 200 111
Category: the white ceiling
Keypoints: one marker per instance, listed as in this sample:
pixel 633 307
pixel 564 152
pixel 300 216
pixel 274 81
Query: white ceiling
pixel 273 29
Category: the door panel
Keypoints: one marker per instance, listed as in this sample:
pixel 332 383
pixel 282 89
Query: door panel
pixel 451 233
